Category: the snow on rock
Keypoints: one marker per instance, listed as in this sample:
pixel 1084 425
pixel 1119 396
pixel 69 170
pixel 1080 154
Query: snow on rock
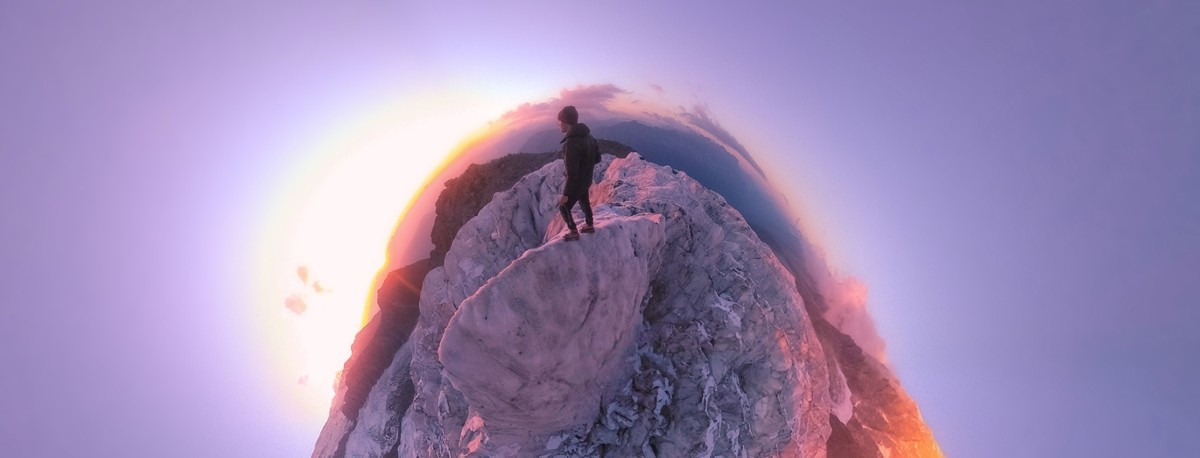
pixel 671 331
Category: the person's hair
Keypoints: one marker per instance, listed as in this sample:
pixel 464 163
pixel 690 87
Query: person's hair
pixel 569 115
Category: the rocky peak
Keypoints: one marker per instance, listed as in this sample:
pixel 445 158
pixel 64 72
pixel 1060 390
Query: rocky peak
pixel 672 331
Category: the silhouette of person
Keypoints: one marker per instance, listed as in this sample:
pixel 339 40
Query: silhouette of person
pixel 580 154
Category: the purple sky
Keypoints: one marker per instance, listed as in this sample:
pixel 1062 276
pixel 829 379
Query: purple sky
pixel 1016 183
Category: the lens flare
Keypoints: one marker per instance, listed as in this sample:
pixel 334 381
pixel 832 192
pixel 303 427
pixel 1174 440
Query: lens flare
pixel 326 237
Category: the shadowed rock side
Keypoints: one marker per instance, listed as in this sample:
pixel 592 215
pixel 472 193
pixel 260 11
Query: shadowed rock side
pixel 466 194
pixel 384 334
pixel 376 348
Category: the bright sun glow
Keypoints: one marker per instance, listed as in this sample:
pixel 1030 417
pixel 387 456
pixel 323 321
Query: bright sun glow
pixel 335 240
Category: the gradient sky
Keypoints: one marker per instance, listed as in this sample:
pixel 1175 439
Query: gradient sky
pixel 1016 183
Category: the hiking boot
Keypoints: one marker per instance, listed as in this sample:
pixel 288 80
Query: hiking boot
pixel 587 229
pixel 571 236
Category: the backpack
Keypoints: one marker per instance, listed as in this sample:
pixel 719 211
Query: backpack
pixel 595 150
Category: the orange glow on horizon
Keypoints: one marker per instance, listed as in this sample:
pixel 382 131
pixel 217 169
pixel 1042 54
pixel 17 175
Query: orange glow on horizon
pixel 471 141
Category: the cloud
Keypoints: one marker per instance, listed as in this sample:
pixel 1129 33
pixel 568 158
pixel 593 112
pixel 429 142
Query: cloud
pixel 845 300
pixel 701 117
pixel 665 120
pixel 600 102
pixel 296 304
pixel 596 94
pixel 592 101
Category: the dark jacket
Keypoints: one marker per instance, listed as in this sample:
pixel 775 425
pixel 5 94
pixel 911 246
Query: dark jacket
pixel 580 154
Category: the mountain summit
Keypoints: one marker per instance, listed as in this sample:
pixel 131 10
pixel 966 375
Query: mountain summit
pixel 672 331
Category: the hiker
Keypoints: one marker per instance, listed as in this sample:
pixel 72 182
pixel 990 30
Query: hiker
pixel 580 154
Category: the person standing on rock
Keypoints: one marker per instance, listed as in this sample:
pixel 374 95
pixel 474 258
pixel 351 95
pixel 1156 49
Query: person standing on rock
pixel 580 154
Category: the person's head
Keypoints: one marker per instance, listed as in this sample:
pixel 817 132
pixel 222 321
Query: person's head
pixel 567 117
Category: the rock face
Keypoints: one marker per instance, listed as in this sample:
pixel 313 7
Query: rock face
pixel 539 345
pixel 884 421
pixel 672 331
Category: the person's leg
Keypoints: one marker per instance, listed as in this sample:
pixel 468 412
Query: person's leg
pixel 585 203
pixel 565 209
